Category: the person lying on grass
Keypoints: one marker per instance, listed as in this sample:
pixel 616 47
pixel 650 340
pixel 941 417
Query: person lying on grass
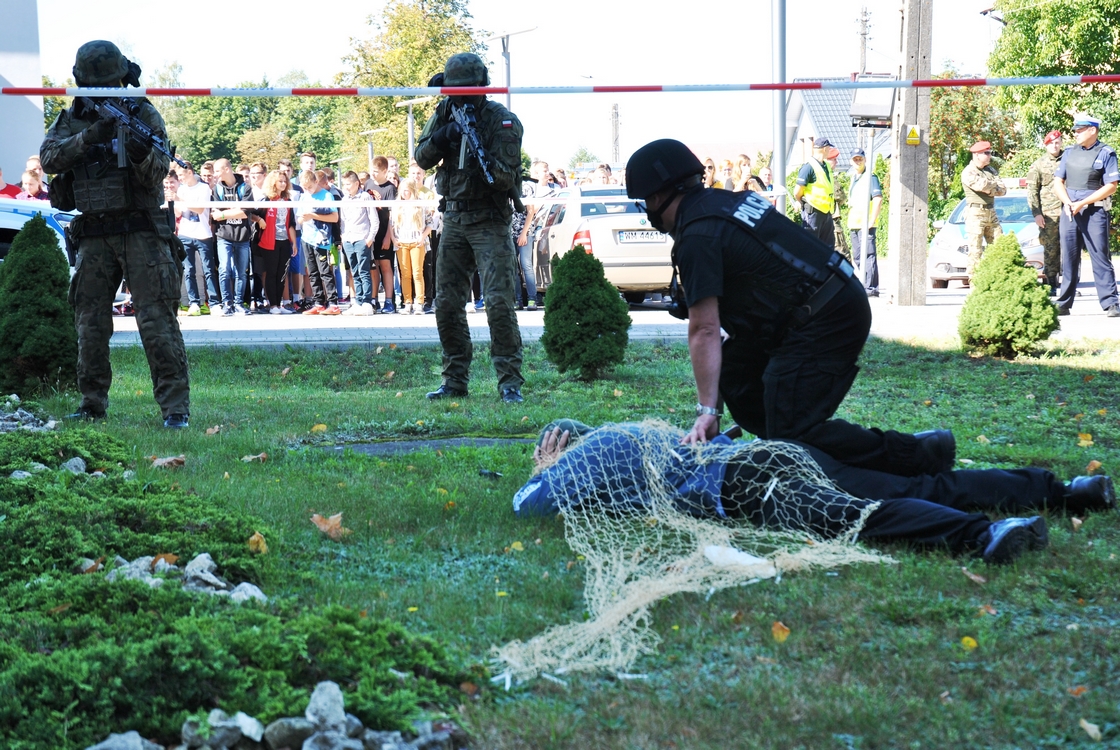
pixel 612 465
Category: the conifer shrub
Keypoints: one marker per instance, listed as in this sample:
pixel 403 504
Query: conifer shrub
pixel 81 656
pixel 1008 311
pixel 38 342
pixel 586 322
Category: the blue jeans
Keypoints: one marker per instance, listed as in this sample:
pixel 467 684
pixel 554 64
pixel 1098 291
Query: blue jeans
pixel 359 257
pixel 233 260
pixel 525 257
pixel 204 249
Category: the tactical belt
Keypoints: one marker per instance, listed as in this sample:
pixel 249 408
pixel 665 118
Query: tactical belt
pixel 842 272
pixel 482 205
pixel 981 205
pixel 91 227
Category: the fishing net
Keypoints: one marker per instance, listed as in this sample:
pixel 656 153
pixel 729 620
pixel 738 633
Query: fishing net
pixel 644 513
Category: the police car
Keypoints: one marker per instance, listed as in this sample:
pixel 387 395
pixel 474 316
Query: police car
pixel 948 252
pixel 14 214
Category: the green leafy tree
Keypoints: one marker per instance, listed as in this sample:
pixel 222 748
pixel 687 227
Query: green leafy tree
pixel 266 144
pixel 958 118
pixel 52 105
pixel 312 123
pixel 1053 38
pixel 38 341
pixel 411 43
pixel 1008 311
pixel 586 323
pixel 581 156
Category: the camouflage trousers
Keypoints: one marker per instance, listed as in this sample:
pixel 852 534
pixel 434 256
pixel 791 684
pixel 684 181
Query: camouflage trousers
pixel 981 226
pixel 154 279
pixel 487 247
pixel 1049 237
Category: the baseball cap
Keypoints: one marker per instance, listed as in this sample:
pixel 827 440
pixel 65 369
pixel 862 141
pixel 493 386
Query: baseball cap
pixel 833 153
pixel 822 143
pixel 980 146
pixel 1084 119
pixel 1051 137
pixel 858 152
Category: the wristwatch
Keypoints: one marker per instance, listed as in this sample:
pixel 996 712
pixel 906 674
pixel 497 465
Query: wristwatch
pixel 701 410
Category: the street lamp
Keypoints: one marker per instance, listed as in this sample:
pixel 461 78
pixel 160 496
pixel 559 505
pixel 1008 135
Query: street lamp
pixel 369 143
pixel 412 122
pixel 504 36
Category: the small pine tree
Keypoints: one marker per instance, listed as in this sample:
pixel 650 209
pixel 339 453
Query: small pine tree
pixel 1008 311
pixel 586 323
pixel 38 342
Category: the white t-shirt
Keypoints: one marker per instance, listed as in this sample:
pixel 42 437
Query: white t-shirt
pixel 195 226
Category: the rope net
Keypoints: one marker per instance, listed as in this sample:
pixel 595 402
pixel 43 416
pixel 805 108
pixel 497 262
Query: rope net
pixel 647 516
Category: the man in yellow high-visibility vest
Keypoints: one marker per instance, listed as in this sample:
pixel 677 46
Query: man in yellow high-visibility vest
pixel 814 192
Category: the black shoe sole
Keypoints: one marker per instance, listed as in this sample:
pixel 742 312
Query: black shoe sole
pixel 445 393
pixel 1016 541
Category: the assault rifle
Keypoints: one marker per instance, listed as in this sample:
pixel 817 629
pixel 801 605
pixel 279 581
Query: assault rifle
pixel 465 118
pixel 128 124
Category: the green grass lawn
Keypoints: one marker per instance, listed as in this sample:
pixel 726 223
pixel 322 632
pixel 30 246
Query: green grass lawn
pixel 875 658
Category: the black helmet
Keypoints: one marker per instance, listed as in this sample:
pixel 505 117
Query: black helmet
pixel 661 164
pixel 465 69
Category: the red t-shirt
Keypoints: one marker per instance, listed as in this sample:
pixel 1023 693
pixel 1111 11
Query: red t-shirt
pixel 10 190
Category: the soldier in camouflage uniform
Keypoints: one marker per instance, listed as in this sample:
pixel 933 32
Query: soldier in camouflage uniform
pixel 122 232
pixel 1046 206
pixel 476 230
pixel 981 185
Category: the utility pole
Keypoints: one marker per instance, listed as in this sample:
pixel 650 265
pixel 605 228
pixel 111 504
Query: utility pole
pixel 778 157
pixel 909 212
pixel 614 134
pixel 864 32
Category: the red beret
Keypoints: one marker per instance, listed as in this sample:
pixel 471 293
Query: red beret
pixel 980 146
pixel 1052 137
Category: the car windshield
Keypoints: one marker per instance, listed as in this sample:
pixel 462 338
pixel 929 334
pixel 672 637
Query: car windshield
pixel 599 209
pixel 1009 208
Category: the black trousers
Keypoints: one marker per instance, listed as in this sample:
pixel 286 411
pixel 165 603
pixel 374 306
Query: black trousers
pixel 790 391
pixel 430 268
pixel 321 276
pixel 274 265
pixel 819 224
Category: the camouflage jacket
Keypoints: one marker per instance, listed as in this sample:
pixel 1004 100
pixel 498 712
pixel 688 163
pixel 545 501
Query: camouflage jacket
pixel 64 150
pixel 500 132
pixel 981 185
pixel 1040 186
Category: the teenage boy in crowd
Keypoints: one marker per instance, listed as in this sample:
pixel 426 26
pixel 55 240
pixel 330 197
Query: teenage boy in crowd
pixel 359 221
pixel 316 237
pixel 233 231
pixel 383 189
pixel 198 240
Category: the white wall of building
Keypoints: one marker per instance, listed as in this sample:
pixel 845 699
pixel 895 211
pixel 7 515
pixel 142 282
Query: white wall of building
pixel 21 117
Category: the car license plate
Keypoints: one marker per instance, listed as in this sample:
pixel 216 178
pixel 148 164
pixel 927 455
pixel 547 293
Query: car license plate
pixel 640 236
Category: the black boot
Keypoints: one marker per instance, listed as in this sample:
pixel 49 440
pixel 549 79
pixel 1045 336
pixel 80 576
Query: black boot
pixel 177 422
pixel 939 448
pixel 85 414
pixel 1090 493
pixel 1007 539
pixel 447 391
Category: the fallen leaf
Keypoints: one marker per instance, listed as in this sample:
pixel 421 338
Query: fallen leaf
pixel 332 526
pixel 525 419
pixel 973 577
pixel 966 461
pixel 389 375
pixel 441 490
pixel 214 430
pixel 676 627
pixel 988 609
pixel 167 557
pixel 319 428
pixel 927 402
pixel 60 608
pixel 420 422
pixel 469 688
pixel 379 350
pixel 257 544
pixel 969 643
pixel 400 393
pixel 1084 440
pixel 672 411
pixel 617 393
pixel 1078 417
pixel 454 404
pixel 226 475
pixel 982 439
pixel 1073 626
pixel 545 576
pixel 1076 523
pixel 97 565
pixel 537 541
pixel 1092 730
pixel 737 618
pixel 571 564
pixel 171 462
pixel 1088 378
pixel 779 631
pixel 517 547
pixel 501 593
pixel 1092 466
pixel 1078 691
pixel 1030 397
pixel 449 505
pixel 413 609
pixel 946 698
pixel 285 371
pixel 262 457
pixel 392 346
pixel 1102 412
pixel 765 660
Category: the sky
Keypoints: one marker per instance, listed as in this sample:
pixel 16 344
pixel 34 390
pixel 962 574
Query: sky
pixel 578 42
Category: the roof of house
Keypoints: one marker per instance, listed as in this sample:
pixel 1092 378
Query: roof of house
pixel 829 115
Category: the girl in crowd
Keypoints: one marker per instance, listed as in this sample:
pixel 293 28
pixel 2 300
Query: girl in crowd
pixel 277 241
pixel 411 226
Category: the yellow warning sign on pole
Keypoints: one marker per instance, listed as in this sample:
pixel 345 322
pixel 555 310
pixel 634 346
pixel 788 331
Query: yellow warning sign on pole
pixel 913 136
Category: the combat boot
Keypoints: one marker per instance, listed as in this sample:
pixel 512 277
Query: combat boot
pixel 85 414
pixel 1007 539
pixel 939 448
pixel 176 421
pixel 1090 493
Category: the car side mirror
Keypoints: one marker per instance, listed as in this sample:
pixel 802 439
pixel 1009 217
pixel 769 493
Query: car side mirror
pixel 939 224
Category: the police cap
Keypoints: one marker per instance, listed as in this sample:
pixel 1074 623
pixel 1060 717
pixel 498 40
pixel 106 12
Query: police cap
pixel 660 164
pixel 99 63
pixel 1086 120
pixel 465 69
pixel 822 143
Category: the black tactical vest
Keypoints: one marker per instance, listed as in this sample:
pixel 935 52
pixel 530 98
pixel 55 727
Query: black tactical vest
pixel 1085 166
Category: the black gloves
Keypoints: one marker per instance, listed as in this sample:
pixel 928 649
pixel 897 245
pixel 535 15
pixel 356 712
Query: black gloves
pixel 448 138
pixel 101 131
pixel 137 151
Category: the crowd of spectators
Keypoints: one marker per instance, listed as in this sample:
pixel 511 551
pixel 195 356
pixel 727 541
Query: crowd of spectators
pixel 32 185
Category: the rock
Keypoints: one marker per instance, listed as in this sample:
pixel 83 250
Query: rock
pixel 289 733
pixel 250 727
pixel 118 562
pixel 354 726
pixel 37 467
pixel 201 580
pixel 76 465
pixel 129 474
pixel 153 582
pixel 422 728
pixel 434 741
pixel 162 566
pixel 191 733
pixel 127 741
pixel 246 591
pixel 139 569
pixel 247 744
pixel 372 740
pixel 203 563
pixel 13 399
pixel 327 708
pixel 17 474
pixel 331 741
pixel 224 730
pixel 98 474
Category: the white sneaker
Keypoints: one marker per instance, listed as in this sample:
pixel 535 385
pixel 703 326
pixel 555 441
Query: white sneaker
pixel 194 310
pixel 367 308
pixel 274 311
pixel 286 310
pixel 239 310
pixel 352 310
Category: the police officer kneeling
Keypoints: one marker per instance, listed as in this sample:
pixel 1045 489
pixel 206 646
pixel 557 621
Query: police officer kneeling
pixel 122 232
pixel 796 318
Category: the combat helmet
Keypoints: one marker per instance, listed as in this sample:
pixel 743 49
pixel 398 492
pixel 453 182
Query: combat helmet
pixel 661 164
pixel 465 69
pixel 100 63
